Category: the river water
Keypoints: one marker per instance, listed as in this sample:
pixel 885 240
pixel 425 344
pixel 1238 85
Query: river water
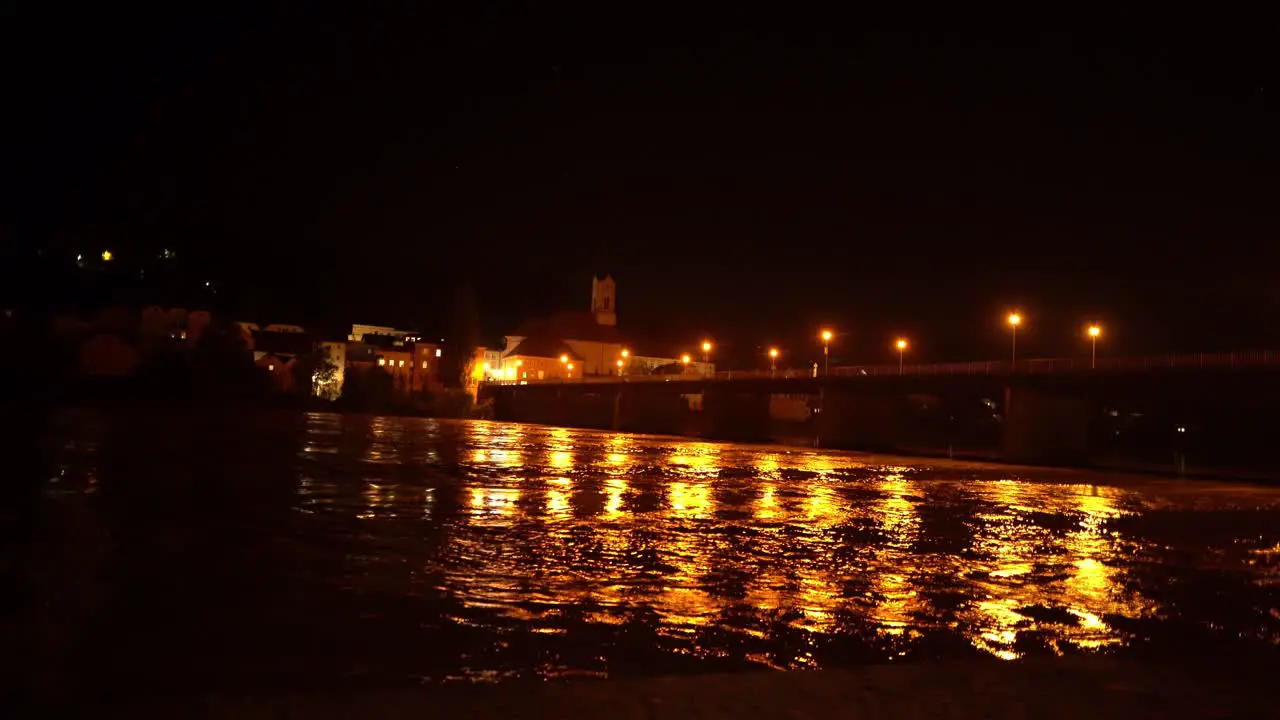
pixel 339 550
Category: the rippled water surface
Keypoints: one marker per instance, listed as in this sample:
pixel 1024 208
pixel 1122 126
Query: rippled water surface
pixel 347 549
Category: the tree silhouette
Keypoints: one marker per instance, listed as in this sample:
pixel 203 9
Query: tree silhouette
pixel 464 336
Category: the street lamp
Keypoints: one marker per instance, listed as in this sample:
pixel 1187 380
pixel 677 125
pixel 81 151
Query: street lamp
pixel 826 351
pixel 619 367
pixel 1014 321
pixel 902 347
pixel 706 356
pixel 685 359
pixel 1094 332
pixel 773 361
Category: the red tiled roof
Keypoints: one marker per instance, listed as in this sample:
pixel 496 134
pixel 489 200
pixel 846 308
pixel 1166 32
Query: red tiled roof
pixel 283 343
pixel 571 325
pixel 543 347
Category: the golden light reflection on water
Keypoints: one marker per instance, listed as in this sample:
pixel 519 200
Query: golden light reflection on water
pixel 550 523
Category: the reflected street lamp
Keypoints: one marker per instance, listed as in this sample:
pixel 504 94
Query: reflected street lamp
pixel 826 351
pixel 1014 321
pixel 1094 332
pixel 902 347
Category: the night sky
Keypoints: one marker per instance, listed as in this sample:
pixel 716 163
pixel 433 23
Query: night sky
pixel 328 166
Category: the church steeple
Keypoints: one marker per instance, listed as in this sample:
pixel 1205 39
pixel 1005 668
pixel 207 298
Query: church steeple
pixel 603 300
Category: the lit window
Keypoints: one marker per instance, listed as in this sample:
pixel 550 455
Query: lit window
pixel 401 363
pixel 437 352
pixel 424 364
pixel 271 368
pixel 381 362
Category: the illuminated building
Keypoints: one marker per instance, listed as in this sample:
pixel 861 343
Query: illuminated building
pixel 590 340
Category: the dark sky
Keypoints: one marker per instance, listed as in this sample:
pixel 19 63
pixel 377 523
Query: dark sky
pixel 754 184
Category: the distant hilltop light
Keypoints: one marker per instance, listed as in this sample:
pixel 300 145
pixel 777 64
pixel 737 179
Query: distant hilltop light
pixel 107 256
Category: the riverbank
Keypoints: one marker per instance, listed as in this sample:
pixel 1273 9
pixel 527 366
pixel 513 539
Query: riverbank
pixel 1094 687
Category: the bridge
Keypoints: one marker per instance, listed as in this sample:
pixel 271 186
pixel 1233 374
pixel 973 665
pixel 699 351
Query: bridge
pixel 1217 407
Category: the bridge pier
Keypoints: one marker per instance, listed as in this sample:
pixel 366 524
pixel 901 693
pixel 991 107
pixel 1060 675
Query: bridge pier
pixel 640 410
pixel 1042 428
pixel 859 420
pixel 735 414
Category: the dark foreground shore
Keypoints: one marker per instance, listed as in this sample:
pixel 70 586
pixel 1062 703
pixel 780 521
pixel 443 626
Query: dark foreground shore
pixel 1067 688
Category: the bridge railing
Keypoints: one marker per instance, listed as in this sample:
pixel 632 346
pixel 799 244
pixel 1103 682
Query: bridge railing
pixel 1033 366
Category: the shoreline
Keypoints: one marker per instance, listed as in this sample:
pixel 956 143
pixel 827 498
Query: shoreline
pixel 1137 467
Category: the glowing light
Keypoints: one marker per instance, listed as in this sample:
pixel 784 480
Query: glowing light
pixel 619 363
pixel 685 358
pixel 773 352
pixel 706 346
pixel 382 361
pixel 626 353
pixel 107 256
pixel 486 367
pixel 564 358
pixel 401 363
pixel 519 363
pixel 1094 331
pixel 511 373
pixel 271 368
pixel 570 367
pixel 437 352
pixel 826 336
pixel 424 364
pixel 1015 319
pixel 902 344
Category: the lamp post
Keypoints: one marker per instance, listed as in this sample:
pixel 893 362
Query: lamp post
pixel 826 351
pixel 902 347
pixel 1014 321
pixel 1094 332
pixel 773 361
pixel 706 357
pixel 686 360
pixel 619 367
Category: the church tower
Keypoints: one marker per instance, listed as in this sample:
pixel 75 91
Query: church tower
pixel 603 304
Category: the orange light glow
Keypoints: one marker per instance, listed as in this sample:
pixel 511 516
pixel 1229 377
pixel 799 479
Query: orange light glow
pixel 685 358
pixel 773 352
pixel 902 344
pixel 1015 319
pixel 564 358
pixel 706 346
pixel 826 336
pixel 1094 331
pixel 619 363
